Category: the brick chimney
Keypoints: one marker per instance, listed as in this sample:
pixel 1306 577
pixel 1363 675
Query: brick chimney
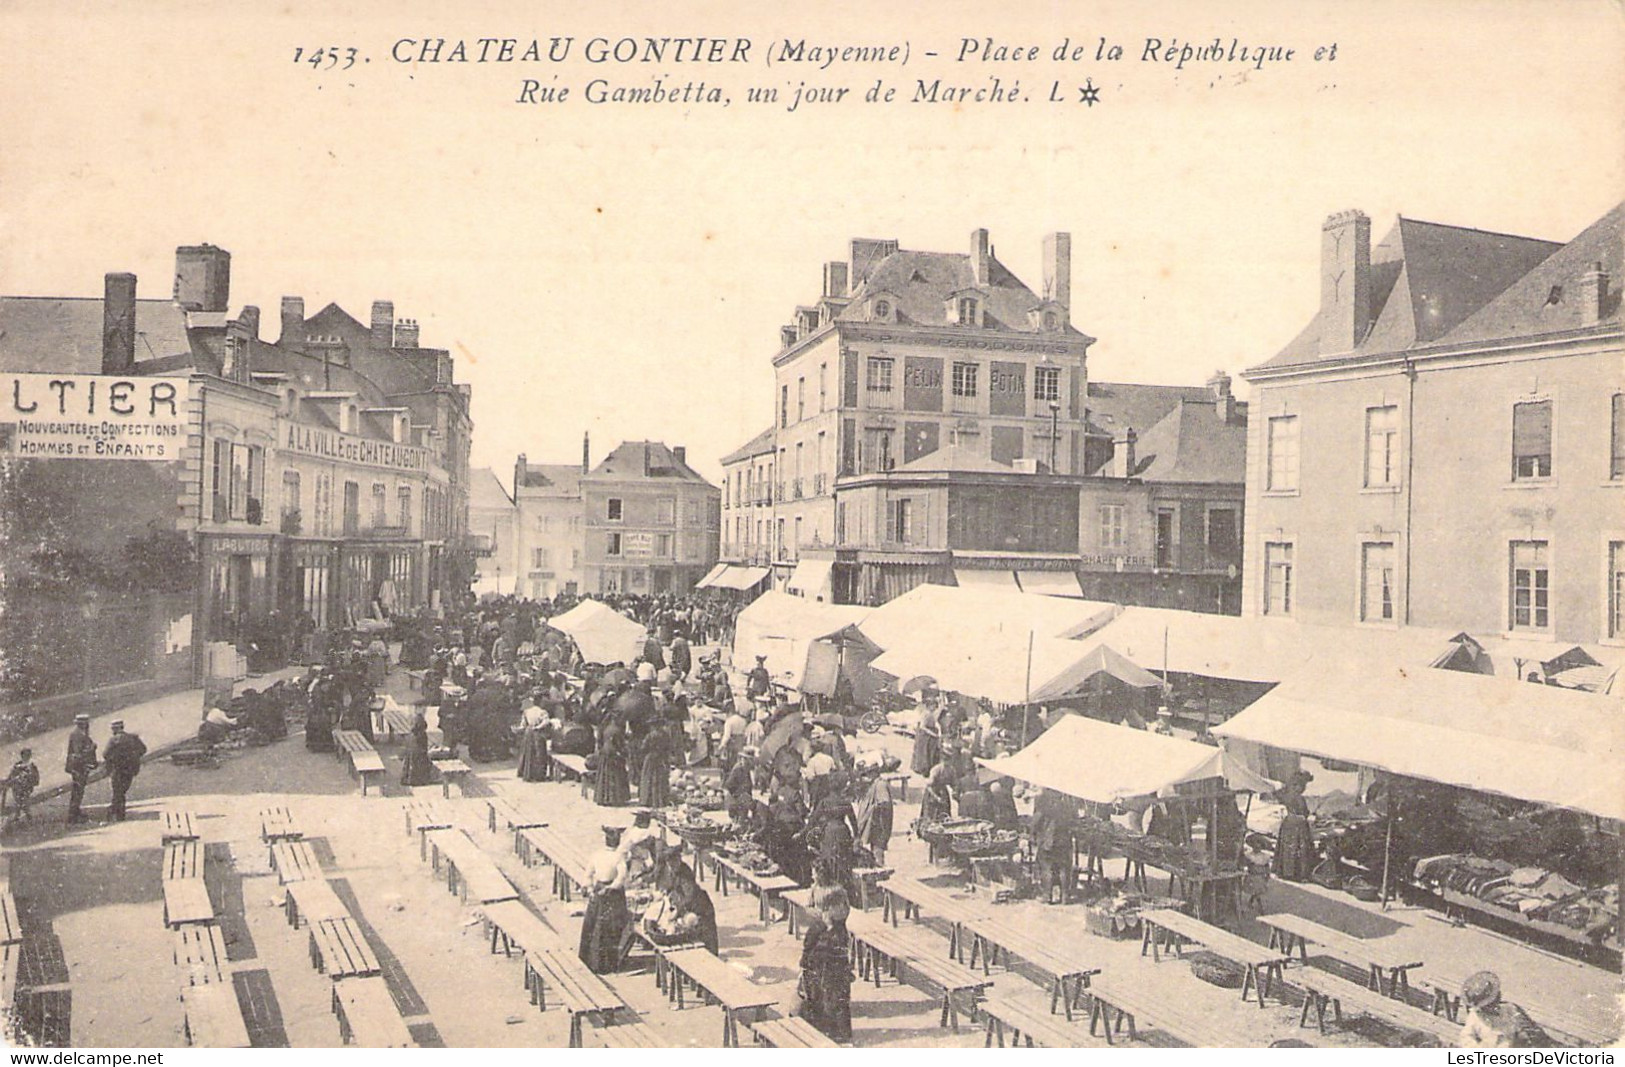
pixel 1058 268
pixel 519 465
pixel 118 324
pixel 1224 399
pixel 866 252
pixel 680 452
pixel 383 323
pixel 1123 457
pixel 586 452
pixel 981 256
pixel 1593 294
pixel 249 317
pixel 406 333
pixel 293 320
pixel 1345 281
pixel 835 278
pixel 202 277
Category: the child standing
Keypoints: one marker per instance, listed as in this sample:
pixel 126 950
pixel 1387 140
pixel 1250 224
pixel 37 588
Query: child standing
pixel 22 781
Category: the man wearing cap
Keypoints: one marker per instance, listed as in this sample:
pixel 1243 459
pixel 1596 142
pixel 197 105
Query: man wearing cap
pixel 123 758
pixel 81 762
pixel 1495 1023
pixel 761 682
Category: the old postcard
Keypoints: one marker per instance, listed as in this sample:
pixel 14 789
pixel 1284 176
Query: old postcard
pixel 868 525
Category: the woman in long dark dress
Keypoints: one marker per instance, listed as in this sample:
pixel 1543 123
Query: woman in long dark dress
pixel 614 789
pixel 606 917
pixel 654 779
pixel 927 742
pixel 826 969
pixel 1294 842
pixel 415 769
pixel 534 762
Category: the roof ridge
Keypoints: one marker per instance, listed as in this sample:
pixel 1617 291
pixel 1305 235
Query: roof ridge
pixel 1480 229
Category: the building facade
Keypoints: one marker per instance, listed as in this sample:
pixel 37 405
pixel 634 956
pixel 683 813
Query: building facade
pixel 493 535
pixel 651 523
pixel 550 524
pixel 1442 445
pixel 747 501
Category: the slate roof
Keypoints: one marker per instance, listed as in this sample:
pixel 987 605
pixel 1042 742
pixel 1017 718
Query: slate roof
pixel 920 284
pixel 1426 279
pixel 64 334
pixel 1191 444
pixel 956 458
pixel 485 491
pixel 1117 406
pixel 760 445
pixel 1545 300
pixel 645 459
pixel 553 479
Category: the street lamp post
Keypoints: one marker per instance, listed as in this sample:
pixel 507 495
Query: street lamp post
pixel 1054 431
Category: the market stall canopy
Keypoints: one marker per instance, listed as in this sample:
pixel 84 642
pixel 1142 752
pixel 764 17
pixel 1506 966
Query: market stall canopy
pixel 1050 583
pixel 786 628
pixel 952 616
pixel 711 576
pixel 740 578
pixel 1530 742
pixel 994 667
pixel 603 634
pixel 1098 761
pixel 999 579
pixel 811 579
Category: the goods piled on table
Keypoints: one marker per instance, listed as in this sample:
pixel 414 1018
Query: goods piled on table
pixel 1531 893
pixel 697 791
pixel 1118 915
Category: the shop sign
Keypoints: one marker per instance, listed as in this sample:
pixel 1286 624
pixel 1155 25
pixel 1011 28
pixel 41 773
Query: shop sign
pixel 348 448
pixel 93 416
pixel 638 544
pixel 239 546
pixel 1118 562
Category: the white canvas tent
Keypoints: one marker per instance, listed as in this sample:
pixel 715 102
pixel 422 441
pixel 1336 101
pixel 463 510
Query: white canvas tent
pixel 994 666
pixel 950 616
pixel 807 643
pixel 1102 762
pixel 603 634
pixel 711 576
pixel 1530 742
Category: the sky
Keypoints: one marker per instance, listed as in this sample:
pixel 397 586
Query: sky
pixel 624 270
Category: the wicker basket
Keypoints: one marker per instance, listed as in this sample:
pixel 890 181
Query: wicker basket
pixel 1216 970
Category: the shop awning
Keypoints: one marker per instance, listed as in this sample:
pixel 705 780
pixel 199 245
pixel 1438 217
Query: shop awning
pixel 1050 583
pixel 740 578
pixel 811 578
pixel 1534 743
pixel 999 579
pixel 711 576
pixel 1098 761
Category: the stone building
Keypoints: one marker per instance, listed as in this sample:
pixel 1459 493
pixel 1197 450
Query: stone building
pixel 652 523
pixel 1442 445
pixel 550 523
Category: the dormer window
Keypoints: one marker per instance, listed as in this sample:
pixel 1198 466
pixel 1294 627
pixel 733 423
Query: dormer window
pixel 964 307
pixel 1052 321
pixel 967 311
pixel 882 309
pixel 1048 317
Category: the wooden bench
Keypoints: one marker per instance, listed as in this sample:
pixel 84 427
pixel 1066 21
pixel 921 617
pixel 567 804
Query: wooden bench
pixel 636 1034
pixel 504 812
pixel 766 887
pixel 212 1017
pixel 338 950
pixel 1324 987
pixel 1443 984
pixel 1026 1022
pixel 183 859
pixel 186 900
pixel 278 824
pixel 581 992
pixel 730 989
pixel 791 1031
pixel 422 817
pixel 868 879
pixel 367 1015
pixel 1164 926
pixel 570 869
pixel 314 901
pixel 178 826
pixel 10 961
pixel 369 768
pixel 198 950
pixel 909 897
pixel 451 770
pixel 346 743
pixel 295 861
pixel 470 873
pixel 1116 998
pixel 516 926
pixel 11 930
pixel 1068 978
pixel 568 766
pixel 1388 969
pixel 875 943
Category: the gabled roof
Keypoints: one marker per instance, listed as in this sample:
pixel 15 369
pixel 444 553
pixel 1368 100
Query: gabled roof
pixel 760 445
pixel 1426 279
pixel 64 334
pixel 1192 444
pixel 551 479
pixel 921 283
pixel 956 458
pixel 645 459
pixel 1546 300
pixel 1117 406
pixel 486 492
